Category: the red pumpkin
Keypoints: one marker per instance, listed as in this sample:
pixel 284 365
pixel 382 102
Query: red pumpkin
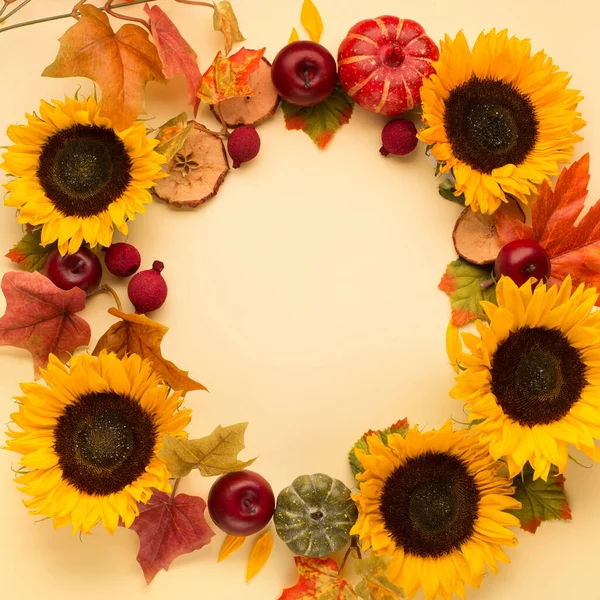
pixel 382 63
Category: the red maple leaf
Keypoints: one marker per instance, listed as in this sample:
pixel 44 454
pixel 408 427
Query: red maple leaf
pixel 318 578
pixel 169 527
pixel 40 318
pixel 573 249
pixel 176 54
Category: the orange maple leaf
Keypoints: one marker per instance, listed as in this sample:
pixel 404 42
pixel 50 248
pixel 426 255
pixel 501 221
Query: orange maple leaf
pixel 137 334
pixel 573 249
pixel 120 63
pixel 227 76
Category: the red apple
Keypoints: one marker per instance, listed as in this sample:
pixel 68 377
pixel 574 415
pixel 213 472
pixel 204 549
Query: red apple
pixel 241 503
pixel 82 270
pixel 382 63
pixel 304 73
pixel 522 259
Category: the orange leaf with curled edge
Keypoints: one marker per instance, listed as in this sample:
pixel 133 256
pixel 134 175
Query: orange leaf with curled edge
pixel 120 63
pixel 227 77
pixel 137 334
pixel 573 249
pixel 318 579
pixel 176 54
pixel 41 319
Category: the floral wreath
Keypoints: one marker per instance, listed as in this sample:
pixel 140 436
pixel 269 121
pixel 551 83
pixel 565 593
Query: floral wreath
pixel 103 441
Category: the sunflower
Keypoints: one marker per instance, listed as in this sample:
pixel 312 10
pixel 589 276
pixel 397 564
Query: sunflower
pixel 498 118
pixel 434 502
pixel 76 176
pixel 532 376
pixel 90 439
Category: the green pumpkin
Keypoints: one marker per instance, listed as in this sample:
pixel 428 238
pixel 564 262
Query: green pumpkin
pixel 314 515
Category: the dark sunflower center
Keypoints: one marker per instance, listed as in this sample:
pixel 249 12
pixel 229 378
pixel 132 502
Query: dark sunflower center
pixel 489 124
pixel 430 504
pixel 537 376
pixel 104 442
pixel 83 169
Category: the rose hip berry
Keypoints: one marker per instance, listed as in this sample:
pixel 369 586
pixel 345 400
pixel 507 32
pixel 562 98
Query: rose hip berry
pixel 243 145
pixel 522 259
pixel 399 136
pixel 122 259
pixel 147 290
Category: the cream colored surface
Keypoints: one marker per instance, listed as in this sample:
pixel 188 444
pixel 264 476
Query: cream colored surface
pixel 304 297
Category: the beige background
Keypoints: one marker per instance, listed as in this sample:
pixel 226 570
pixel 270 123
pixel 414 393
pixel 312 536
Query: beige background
pixel 304 297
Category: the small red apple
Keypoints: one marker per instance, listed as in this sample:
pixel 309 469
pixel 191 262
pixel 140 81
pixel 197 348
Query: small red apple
pixel 522 259
pixel 82 270
pixel 241 503
pixel 304 73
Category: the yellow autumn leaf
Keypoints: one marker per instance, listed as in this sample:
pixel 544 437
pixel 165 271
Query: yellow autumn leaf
pixel 311 20
pixel 294 37
pixel 231 544
pixel 453 345
pixel 260 555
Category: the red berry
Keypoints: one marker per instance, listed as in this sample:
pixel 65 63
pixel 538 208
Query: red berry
pixel 82 270
pixel 522 259
pixel 304 73
pixel 243 145
pixel 122 259
pixel 147 290
pixel 241 503
pixel 399 136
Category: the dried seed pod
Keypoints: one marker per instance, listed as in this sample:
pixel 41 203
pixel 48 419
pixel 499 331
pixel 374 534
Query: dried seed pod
pixel 475 237
pixel 252 110
pixel 195 172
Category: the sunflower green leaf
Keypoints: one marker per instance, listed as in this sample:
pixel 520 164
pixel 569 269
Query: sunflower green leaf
pixel 540 500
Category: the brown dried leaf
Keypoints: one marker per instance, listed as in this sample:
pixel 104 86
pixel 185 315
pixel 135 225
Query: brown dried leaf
pixel 137 334
pixel 188 190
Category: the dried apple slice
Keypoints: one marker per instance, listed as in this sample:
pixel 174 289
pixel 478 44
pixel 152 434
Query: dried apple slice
pixel 195 173
pixel 475 237
pixel 252 110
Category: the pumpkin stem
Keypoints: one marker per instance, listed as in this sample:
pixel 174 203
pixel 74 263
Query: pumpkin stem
pixel 354 547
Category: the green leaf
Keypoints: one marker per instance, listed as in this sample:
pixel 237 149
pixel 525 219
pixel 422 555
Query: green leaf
pixel 215 454
pixel 375 584
pixel 446 190
pixel 467 285
pixel 29 253
pixel 172 135
pixel 400 427
pixel 320 122
pixel 541 500
pixel 225 21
